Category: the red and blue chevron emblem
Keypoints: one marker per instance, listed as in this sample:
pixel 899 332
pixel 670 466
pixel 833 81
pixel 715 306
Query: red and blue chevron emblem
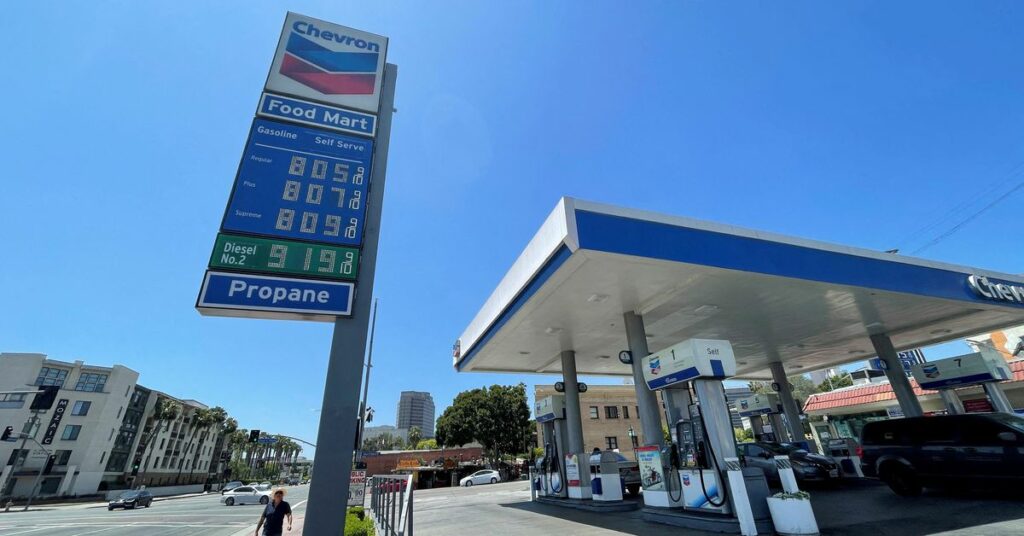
pixel 328 71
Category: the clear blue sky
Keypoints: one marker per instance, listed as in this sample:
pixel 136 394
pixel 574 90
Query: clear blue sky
pixel 853 122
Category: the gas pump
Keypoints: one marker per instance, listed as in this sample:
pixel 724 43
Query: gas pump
pixel 704 431
pixel 753 407
pixel 551 481
pixel 700 474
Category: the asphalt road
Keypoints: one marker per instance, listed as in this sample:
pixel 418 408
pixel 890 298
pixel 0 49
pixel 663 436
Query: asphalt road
pixel 865 507
pixel 192 516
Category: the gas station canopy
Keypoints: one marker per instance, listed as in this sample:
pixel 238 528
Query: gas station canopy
pixel 808 304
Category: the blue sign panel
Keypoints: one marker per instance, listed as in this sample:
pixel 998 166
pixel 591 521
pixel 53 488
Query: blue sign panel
pixel 316 115
pixel 300 183
pixel 907 358
pixel 274 297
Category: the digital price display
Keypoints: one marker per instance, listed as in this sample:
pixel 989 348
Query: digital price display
pixel 251 254
pixel 301 183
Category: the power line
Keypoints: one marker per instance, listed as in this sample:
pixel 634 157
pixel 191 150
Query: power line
pixel 964 205
pixel 968 219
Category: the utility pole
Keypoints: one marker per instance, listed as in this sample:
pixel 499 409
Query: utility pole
pixel 366 385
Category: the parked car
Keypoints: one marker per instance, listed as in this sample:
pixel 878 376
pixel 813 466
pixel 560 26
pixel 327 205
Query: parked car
pixel 230 486
pixel 292 481
pixel 629 471
pixel 947 450
pixel 246 495
pixel 485 476
pixel 131 499
pixel 807 466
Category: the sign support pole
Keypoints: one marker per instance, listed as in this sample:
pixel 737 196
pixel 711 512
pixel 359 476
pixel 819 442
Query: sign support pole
pixel 328 493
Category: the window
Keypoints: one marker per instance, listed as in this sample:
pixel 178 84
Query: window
pixel 611 412
pixel 63 456
pixel 111 438
pixel 243 489
pixel 119 413
pixel 636 442
pixel 90 382
pixel 611 442
pixel 12 400
pixel 81 407
pixel 51 376
pixel 71 432
pixel 156 463
pixel 103 456
pixel 637 408
pixel 593 412
pixel 625 412
pixel 162 441
pixel 17 457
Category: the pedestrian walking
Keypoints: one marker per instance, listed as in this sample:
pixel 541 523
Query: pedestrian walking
pixel 272 518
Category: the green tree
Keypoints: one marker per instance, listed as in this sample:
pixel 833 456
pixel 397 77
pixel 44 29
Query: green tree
pixel 457 424
pixel 414 436
pixel 833 383
pixel 165 412
pixel 498 417
pixel 426 444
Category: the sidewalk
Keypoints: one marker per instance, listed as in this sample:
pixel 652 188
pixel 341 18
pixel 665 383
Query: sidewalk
pixel 296 528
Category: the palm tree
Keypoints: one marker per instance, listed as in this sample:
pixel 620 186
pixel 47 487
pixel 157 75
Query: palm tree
pixel 201 419
pixel 165 412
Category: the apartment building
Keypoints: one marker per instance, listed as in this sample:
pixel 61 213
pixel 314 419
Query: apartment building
pixel 103 430
pixel 84 429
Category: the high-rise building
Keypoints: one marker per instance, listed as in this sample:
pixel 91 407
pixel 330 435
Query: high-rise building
pixel 416 408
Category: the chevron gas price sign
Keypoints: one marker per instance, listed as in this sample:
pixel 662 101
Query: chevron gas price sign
pixel 325 62
pixel 294 222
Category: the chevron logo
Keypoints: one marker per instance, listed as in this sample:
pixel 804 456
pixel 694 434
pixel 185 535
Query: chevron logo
pixel 328 71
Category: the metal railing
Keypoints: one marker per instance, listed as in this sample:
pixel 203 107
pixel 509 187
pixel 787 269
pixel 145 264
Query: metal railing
pixel 391 504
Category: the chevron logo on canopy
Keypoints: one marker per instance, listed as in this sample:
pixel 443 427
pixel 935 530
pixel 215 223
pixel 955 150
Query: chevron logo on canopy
pixel 328 71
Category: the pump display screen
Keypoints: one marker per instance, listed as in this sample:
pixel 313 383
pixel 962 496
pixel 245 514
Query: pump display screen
pixel 301 183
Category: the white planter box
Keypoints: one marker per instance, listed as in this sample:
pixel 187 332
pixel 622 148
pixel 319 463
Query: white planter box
pixel 792 517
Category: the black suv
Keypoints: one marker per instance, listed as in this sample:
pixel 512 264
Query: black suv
pixel 980 448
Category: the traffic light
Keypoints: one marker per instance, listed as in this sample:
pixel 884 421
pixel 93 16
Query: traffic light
pixel 254 436
pixel 49 464
pixel 7 433
pixel 44 398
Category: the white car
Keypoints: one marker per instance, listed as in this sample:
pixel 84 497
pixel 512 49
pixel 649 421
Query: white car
pixel 246 495
pixel 486 476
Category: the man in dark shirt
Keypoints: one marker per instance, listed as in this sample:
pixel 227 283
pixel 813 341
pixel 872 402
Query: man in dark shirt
pixel 272 518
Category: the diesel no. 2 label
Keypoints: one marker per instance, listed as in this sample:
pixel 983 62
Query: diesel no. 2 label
pixel 251 254
pixel 301 183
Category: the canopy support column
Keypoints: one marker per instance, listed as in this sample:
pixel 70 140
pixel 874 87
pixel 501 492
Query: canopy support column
pixel 572 402
pixel 998 397
pixel 897 376
pixel 646 400
pixel 789 407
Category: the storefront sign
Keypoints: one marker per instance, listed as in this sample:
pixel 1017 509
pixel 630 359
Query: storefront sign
pixel 408 463
pixel 652 474
pixel 980 405
pixel 58 415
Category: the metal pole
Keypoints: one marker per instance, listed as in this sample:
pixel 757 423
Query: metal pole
pixel 24 440
pixel 328 492
pixel 366 386
pixel 35 484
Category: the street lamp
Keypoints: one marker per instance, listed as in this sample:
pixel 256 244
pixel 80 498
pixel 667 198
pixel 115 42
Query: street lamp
pixel 632 439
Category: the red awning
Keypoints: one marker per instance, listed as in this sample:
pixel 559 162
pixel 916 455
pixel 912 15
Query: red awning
pixel 881 392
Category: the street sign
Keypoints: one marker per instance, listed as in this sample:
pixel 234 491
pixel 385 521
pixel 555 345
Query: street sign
pixel 300 183
pixel 316 115
pixel 58 415
pixel 357 488
pixel 228 294
pixel 267 440
pixel 328 63
pixel 251 254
